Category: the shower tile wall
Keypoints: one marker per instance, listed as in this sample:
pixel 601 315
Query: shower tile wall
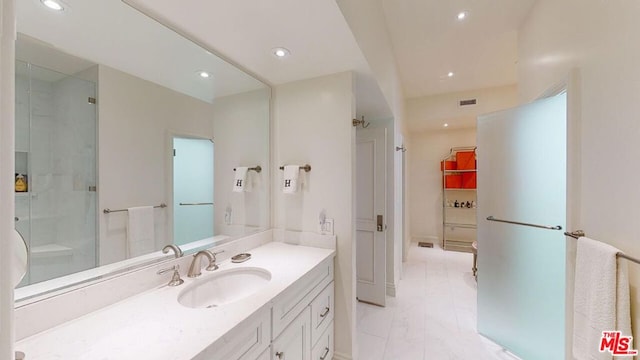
pixel 59 132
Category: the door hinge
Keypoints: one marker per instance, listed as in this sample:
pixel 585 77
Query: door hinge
pixel 174 152
pixel 91 100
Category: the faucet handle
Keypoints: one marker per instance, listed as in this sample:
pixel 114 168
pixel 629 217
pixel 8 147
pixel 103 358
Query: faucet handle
pixel 175 279
pixel 212 264
pixel 176 250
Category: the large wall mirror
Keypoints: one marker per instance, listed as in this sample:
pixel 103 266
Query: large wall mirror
pixel 104 97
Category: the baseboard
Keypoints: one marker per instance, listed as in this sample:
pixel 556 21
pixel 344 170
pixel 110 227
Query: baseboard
pixel 340 356
pixel 391 290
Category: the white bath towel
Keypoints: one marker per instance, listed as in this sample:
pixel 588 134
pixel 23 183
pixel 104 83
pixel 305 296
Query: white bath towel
pixel 290 179
pixel 601 298
pixel 240 179
pixel 140 232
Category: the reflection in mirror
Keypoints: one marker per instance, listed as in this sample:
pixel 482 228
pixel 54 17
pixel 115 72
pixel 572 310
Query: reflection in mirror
pixel 20 257
pixel 101 93
pixel 192 189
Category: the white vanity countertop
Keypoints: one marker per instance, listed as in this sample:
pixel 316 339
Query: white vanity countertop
pixel 153 325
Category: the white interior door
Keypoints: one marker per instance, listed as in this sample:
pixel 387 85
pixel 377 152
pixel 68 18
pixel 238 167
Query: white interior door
pixel 522 176
pixel 192 190
pixel 371 217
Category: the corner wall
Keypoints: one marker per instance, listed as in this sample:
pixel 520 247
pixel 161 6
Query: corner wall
pixel 241 138
pixel 7 159
pixel 312 124
pixel 599 39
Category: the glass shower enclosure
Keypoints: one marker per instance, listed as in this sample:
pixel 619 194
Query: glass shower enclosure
pixel 55 170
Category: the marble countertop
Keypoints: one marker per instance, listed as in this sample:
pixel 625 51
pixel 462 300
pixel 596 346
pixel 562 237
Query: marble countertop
pixel 153 325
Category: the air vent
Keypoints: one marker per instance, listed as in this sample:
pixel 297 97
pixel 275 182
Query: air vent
pixel 468 102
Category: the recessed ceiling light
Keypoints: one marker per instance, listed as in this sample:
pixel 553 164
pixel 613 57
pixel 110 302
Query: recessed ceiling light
pixel 450 74
pixel 462 15
pixel 280 52
pixel 204 74
pixel 446 125
pixel 53 5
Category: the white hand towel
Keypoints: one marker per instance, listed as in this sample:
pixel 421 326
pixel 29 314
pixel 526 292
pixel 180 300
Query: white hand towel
pixel 290 179
pixel 240 180
pixel 140 232
pixel 248 184
pixel 601 298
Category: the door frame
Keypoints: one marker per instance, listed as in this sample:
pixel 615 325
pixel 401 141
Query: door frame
pixel 170 135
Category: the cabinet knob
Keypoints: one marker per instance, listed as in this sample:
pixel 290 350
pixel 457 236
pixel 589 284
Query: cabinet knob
pixel 279 354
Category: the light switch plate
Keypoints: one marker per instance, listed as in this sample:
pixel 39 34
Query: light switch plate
pixel 327 227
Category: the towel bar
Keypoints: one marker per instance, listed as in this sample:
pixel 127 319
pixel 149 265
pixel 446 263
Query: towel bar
pixel 579 233
pixel 306 168
pixel 108 211
pixel 256 169
pixel 557 227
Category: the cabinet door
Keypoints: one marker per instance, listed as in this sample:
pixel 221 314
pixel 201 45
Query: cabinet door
pixel 266 355
pixel 294 343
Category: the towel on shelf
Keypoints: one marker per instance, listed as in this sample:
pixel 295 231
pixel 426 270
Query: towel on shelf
pixel 290 179
pixel 240 180
pixel 140 231
pixel 601 298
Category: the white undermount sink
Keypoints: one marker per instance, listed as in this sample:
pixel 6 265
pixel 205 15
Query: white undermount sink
pixel 224 287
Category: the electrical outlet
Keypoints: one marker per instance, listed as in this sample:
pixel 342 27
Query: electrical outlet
pixel 327 227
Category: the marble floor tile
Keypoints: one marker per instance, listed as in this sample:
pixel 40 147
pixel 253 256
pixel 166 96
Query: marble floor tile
pixel 433 315
pixel 371 347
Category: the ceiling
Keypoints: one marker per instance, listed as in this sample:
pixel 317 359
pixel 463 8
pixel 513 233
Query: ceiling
pixel 120 37
pixel 428 41
pixel 245 32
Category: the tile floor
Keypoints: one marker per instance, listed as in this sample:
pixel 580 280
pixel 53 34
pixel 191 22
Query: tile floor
pixel 432 317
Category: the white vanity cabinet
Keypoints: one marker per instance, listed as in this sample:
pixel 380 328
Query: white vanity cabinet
pixel 247 342
pixel 323 349
pixel 303 318
pixel 294 343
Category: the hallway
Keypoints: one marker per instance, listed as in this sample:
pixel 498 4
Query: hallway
pixel 432 317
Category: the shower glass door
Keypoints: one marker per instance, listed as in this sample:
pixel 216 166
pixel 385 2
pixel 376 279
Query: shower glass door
pixel 522 167
pixel 56 121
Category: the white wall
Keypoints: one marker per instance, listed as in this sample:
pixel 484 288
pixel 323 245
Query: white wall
pixel 367 21
pixel 241 138
pixel 425 178
pixel 600 40
pixel 429 141
pixel 135 120
pixel 312 122
pixel 7 158
pixel 431 112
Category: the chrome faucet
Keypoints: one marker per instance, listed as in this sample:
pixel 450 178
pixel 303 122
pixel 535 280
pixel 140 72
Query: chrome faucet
pixel 196 267
pixel 176 250
pixel 175 279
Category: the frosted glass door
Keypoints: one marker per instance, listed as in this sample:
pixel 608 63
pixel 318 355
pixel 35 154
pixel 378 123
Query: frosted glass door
pixel 192 190
pixel 521 269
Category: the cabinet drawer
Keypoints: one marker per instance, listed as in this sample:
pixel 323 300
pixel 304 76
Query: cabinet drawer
pixel 295 299
pixel 245 342
pixel 323 349
pixel 321 312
